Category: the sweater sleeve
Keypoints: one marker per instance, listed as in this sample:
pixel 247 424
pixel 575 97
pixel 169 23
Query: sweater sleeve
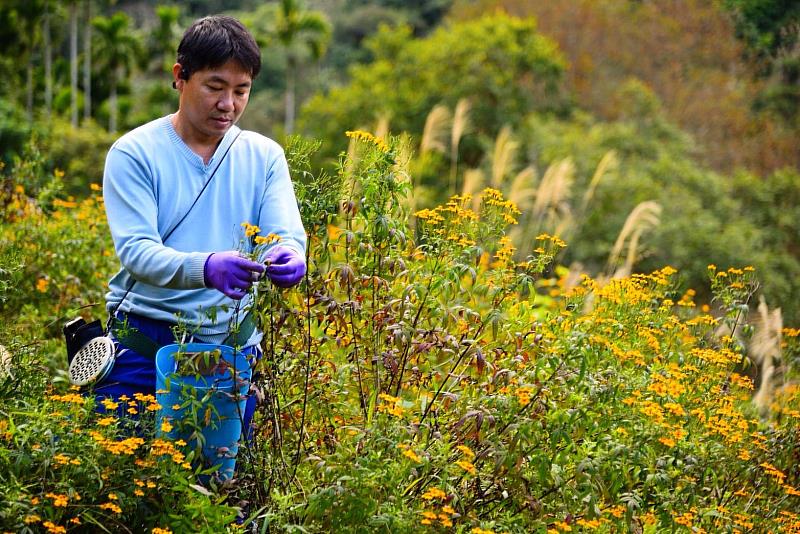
pixel 279 212
pixel 132 213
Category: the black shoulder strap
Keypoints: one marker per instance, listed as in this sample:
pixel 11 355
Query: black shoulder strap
pixel 113 313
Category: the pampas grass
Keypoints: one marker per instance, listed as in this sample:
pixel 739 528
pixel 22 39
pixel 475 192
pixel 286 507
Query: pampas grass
pixel 437 126
pixel 503 156
pixel 645 216
pixel 765 350
pixel 552 194
pixel 461 126
pixel 473 183
pixel 382 127
pixel 608 163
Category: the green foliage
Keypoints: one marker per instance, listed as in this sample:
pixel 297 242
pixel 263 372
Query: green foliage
pixel 763 24
pixel 78 152
pixel 770 30
pixel 501 63
pixel 706 218
pixel 14 130
pixel 419 378
pixel 772 204
pixel 67 256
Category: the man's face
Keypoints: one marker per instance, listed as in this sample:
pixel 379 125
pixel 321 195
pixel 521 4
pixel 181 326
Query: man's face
pixel 212 100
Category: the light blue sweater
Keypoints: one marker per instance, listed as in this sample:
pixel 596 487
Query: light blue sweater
pixel 151 178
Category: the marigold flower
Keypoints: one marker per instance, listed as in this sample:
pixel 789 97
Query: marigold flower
pixel 684 519
pixel 59 500
pixel 366 137
pixel 53 528
pixel 433 493
pixel 466 451
pixel 669 442
pixel 250 229
pixel 268 239
pixel 467 466
pixel 408 453
pixel 111 506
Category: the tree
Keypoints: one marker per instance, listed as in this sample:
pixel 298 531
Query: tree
pixel 297 30
pixel 770 30
pixel 73 62
pixel 87 61
pixel 29 13
pixel 120 47
pixel 502 64
pixel 163 40
pixel 48 59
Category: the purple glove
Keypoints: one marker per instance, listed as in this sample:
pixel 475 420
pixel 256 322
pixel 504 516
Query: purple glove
pixel 285 266
pixel 231 273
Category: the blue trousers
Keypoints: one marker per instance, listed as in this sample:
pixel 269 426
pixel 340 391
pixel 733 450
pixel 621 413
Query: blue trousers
pixel 136 373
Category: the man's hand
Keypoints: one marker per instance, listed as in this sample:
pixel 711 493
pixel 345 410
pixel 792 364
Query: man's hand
pixel 231 273
pixel 285 266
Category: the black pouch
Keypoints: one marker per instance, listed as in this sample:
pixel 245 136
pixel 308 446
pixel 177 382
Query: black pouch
pixel 78 333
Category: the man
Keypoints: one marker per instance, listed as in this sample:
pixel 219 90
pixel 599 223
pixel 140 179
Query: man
pixel 177 191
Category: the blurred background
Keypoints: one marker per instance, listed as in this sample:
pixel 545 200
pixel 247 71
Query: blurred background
pixel 644 133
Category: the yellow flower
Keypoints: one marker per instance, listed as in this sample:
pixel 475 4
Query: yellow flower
pixel 250 229
pixel 105 421
pixel 58 499
pixel 266 240
pixel 408 453
pixel 53 528
pixel 466 451
pixel 467 466
pixel 111 506
pixel 366 137
pixel 617 511
pixel 433 493
pixel 669 442
pixel 41 285
pixel 684 519
pixel 166 426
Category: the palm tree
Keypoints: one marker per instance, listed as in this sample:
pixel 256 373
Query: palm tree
pixel 87 62
pixel 296 28
pixel 120 47
pixel 73 62
pixel 48 60
pixel 163 40
pixel 30 14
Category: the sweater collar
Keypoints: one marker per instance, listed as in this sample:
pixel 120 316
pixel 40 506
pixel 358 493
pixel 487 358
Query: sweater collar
pixel 193 157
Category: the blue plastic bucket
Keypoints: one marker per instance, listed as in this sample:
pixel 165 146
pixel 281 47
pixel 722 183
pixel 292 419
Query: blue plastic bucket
pixel 223 430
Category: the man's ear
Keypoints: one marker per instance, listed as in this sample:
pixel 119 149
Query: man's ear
pixel 179 75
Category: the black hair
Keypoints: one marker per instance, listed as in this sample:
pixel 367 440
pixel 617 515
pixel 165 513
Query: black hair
pixel 211 41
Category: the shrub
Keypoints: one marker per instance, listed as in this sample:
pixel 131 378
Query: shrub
pixel 423 379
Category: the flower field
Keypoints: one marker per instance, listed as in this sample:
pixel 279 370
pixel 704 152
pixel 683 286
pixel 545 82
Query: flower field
pixel 430 374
